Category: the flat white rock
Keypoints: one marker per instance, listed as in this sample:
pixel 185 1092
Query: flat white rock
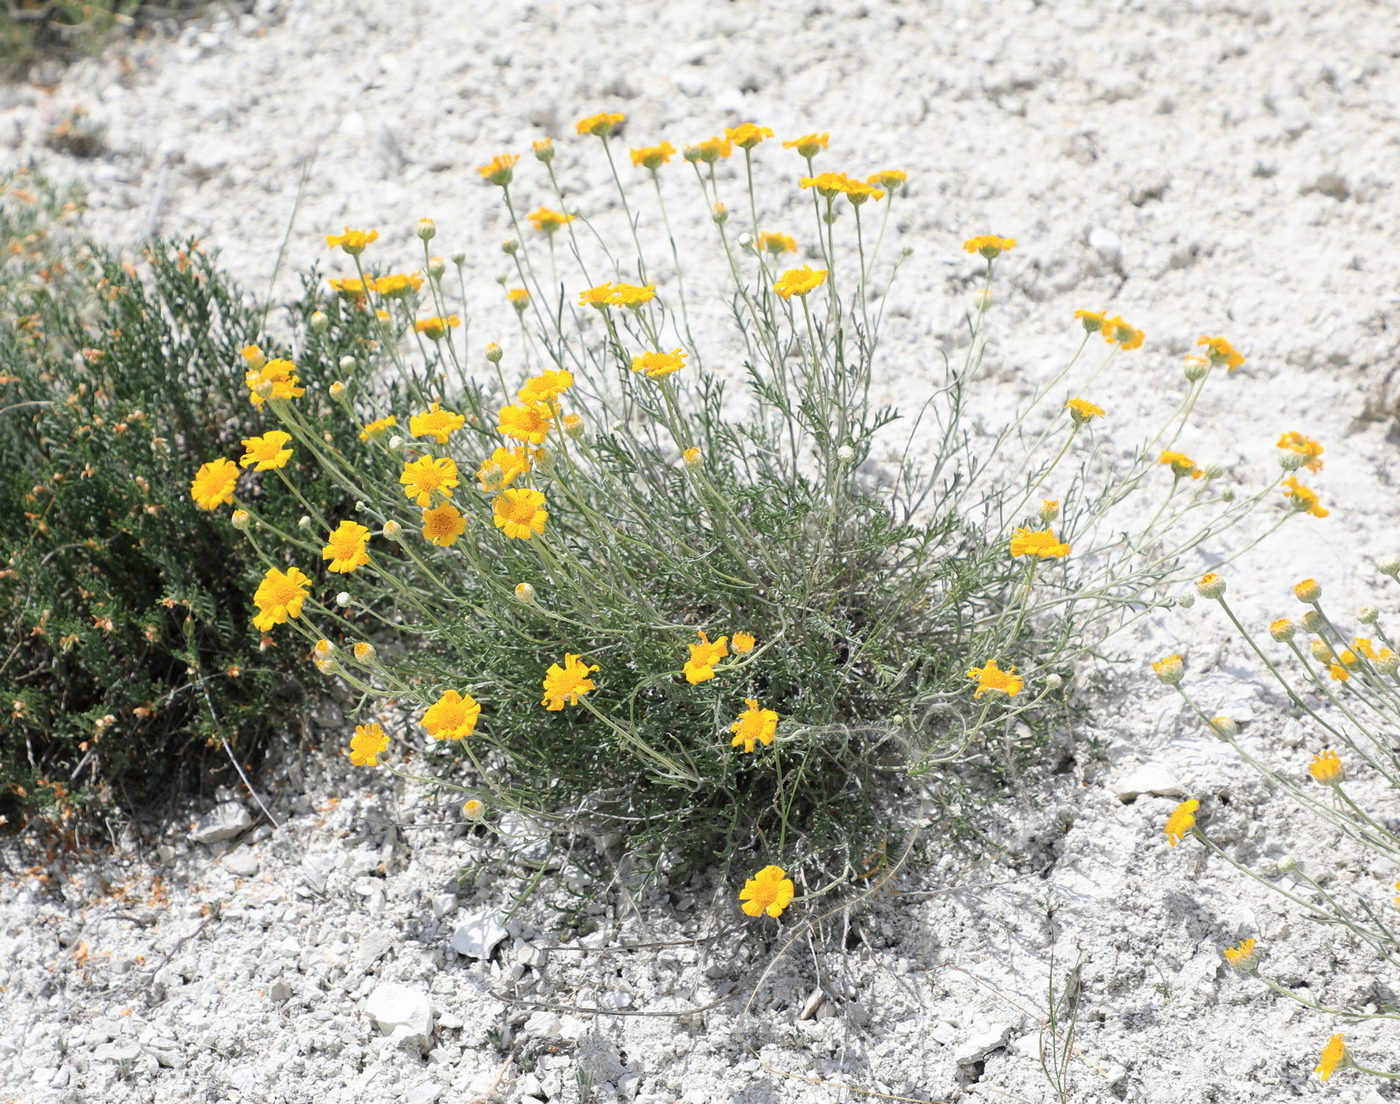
pixel 392 1006
pixel 479 934
pixel 224 821
pixel 1150 778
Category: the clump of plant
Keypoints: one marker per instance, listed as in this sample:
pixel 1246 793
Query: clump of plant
pixel 1345 685
pixel 125 661
pixel 689 589
pixel 34 30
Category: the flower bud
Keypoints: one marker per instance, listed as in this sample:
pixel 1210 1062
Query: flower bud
pixel 263 389
pixel 1387 662
pixel 323 648
pixel 1210 586
pixel 573 425
pixel 720 213
pixel 1214 471
pixel 845 454
pixel 304 522
pixel 436 267
pixel 1224 726
pixel 396 442
pixel 1290 461
pixel 510 247
pixel 1227 495
pixel 240 520
pixel 1389 565
pixel 336 389
pixel 1185 601
pixel 342 599
pixel 1313 621
pixel 427 229
pixel 1053 681
pixel 392 530
pixel 1321 651
pixel 544 149
pixel 473 809
pixel 692 456
pixel 1196 368
pixel 1282 630
pixel 348 364
pixel 542 461
pixel 1170 670
pixel 1368 615
pixel 1049 509
pixel 1308 591
pixel 318 322
pixel 363 651
pixel 746 241
pixel 982 299
pixel 1286 865
pixel 493 353
pixel 524 592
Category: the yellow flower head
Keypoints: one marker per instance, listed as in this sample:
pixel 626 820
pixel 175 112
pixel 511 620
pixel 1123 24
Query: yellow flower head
pixel 452 717
pixel 754 725
pixel 352 242
pixel 889 179
pixel 1180 464
pixel 1093 320
pixel 799 281
pixel 437 423
pixel 600 296
pixel 1242 956
pixel 520 514
pixel 656 365
pixel 398 285
pixel 742 643
pixel 351 287
pixel 363 651
pixel 443 524
pixel 500 170
pixel 1327 768
pixel 1049 509
pixel 546 387
pixel 544 149
pixel 700 667
pixel 1221 351
pixel 1304 500
pixel 346 547
pixel 1117 332
pixel 1081 411
pixel 427 477
pixel 630 295
pixel 435 328
pixel 276 379
pixel 267 452
pixel 1170 670
pixel 1282 629
pixel 378 426
pixel 776 243
pixel 809 145
pixel 992 678
pixel 1334 1054
pixel 213 484
pixel 1182 820
pixel 709 151
pixel 547 221
pixel 502 468
pixel 280 596
pixel 1309 591
pixel 600 125
pixel 253 356
pixel 769 891
pixel 692 456
pixel 857 191
pixel 1306 447
pixel 367 745
pixel 747 135
pixel 828 184
pixel 566 685
pixel 653 157
pixel 473 809
pixel 1210 585
pixel 989 245
pixel 527 422
pixel 1040 543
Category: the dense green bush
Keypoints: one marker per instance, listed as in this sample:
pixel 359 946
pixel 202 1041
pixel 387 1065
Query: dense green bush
pixel 64 29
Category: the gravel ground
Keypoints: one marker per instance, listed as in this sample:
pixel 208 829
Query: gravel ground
pixel 1203 167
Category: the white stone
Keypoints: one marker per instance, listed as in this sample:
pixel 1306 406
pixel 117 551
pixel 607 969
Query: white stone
pixel 442 904
pixel 1107 244
pixel 401 1011
pixel 241 862
pixel 426 1093
pixel 981 1043
pixel 479 934
pixel 553 1025
pixel 223 821
pixel 1150 778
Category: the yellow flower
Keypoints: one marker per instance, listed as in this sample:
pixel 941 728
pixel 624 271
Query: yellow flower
pixel 1306 447
pixel 1221 351
pixel 452 717
pixel 367 745
pixel 573 424
pixel 747 135
pixel 1182 820
pixel 1117 332
pixel 600 296
pixel 1334 1054
pixel 266 452
pixel 436 328
pixel 709 151
pixel 429 476
pixel 546 387
pixel 1049 509
pixel 500 170
pixel 630 295
pixel 518 298
pixel 1081 410
pixel 691 456
pixel 437 423
pixel 1170 670
pixel 656 365
pixel 352 241
pixel 992 678
pixel 1303 499
pixel 1366 646
pixel 889 179
pixel 1040 543
pixel 799 281
pixel 351 287
pixel 279 596
pixel 769 891
pixel 378 426
pixel 1241 957
pixel 398 285
pixel 600 125
pixel 1327 768
pixel 346 548
pixel 1309 591
pixel 989 245
pixel 527 422
pixel 548 221
pixel 520 514
pixel 213 484
pixel 544 149
pixel 1180 464
pixel 502 468
pixel 857 191
pixel 653 157
pixel 276 379
pixel 742 643
pixel 809 145
pixel 443 524
pixel 566 685
pixel 700 667
pixel 1093 320
pixel 754 725
pixel 827 184
pixel 776 243
pixel 253 355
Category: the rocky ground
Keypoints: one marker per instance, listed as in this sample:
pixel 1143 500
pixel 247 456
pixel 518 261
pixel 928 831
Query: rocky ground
pixel 1202 167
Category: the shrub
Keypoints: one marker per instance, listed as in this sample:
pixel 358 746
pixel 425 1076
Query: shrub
pixel 65 29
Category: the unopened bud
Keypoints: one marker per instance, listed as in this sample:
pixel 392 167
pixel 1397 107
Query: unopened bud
pixel 1053 682
pixel 524 592
pixel 392 530
pixel 1196 368
pixel 1387 662
pixel 1282 630
pixel 342 599
pixel 1313 621
pixel 1210 586
pixel 692 456
pixel 1321 651
pixel 427 229
pixel 304 522
pixel 573 425
pixel 720 213
pixel 263 389
pixel 319 322
pixel 1290 461
pixel 1185 601
pixel 746 241
pixel 396 442
pixel 348 364
pixel 363 651
pixel 1368 615
pixel 845 454
pixel 436 267
pixel 510 247
pixel 473 809
pixel 1225 726
pixel 240 519
pixel 1170 670
pixel 459 259
pixel 494 353
pixel 1309 591
pixel 336 389
pixel 1214 471
pixel 1389 565
pixel 1049 509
